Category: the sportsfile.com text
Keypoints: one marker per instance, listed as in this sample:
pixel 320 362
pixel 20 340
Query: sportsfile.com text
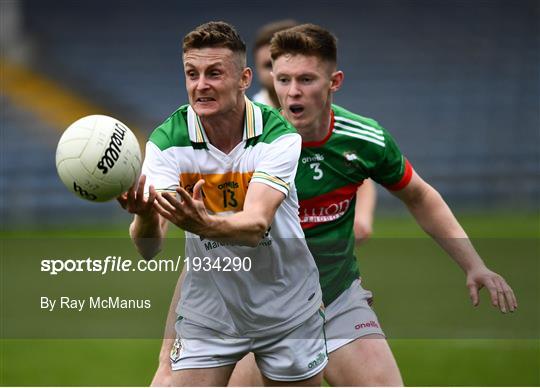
pixel 118 264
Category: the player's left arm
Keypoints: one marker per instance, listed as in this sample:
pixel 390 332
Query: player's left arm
pixel 366 199
pixel 269 186
pixel 435 217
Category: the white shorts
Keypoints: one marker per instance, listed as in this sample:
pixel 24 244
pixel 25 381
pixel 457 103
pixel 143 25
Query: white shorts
pixel 350 317
pixel 296 355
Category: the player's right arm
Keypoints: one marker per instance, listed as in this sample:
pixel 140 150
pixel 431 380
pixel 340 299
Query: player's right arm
pixel 148 228
pixel 159 173
pixel 435 217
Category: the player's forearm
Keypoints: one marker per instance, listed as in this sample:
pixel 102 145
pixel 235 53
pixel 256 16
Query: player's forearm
pixel 147 235
pixel 435 217
pixel 243 228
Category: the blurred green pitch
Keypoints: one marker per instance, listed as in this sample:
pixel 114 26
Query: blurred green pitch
pixel 505 361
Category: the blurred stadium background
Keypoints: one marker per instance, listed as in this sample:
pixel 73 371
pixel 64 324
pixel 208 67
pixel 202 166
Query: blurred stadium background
pixel 456 82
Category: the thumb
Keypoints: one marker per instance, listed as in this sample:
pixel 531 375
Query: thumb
pixel 197 190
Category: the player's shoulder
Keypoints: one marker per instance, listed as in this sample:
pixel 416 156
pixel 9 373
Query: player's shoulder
pixel 275 126
pixel 343 115
pixel 173 132
pixel 355 126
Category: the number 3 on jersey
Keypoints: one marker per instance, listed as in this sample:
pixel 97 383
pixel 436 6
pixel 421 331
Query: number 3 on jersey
pixel 318 174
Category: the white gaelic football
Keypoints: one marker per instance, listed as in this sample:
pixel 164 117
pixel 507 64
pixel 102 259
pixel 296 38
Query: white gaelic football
pixel 98 158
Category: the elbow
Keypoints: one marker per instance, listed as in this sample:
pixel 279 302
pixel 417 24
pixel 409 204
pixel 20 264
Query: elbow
pixel 148 247
pixel 252 243
pixel 258 232
pixel 421 196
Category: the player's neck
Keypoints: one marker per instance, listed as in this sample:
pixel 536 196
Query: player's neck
pixel 318 131
pixel 226 131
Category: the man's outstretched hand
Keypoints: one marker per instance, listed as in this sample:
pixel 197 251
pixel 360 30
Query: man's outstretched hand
pixel 501 294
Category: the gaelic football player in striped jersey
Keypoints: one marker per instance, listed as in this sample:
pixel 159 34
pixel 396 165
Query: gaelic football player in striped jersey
pixel 232 163
pixel 340 150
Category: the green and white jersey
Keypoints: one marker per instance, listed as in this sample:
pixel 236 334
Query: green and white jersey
pixel 329 173
pixel 281 289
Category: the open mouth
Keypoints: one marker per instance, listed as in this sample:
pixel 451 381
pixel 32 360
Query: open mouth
pixel 205 99
pixel 296 109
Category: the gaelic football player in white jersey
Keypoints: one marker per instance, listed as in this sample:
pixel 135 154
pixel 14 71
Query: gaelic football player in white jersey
pixel 346 149
pixel 232 164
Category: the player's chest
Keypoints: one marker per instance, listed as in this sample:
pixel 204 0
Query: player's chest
pixel 226 177
pixel 327 168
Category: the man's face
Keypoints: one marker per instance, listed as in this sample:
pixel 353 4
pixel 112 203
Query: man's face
pixel 303 85
pixel 215 80
pixel 263 66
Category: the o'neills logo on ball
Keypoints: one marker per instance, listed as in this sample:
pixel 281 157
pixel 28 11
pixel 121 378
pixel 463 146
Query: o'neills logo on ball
pixel 83 193
pixel 112 153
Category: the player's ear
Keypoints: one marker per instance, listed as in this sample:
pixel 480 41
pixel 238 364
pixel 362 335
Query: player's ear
pixel 336 80
pixel 245 78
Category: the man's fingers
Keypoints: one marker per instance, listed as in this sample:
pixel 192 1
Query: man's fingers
pixel 164 204
pixel 513 298
pixel 185 195
pixel 152 194
pixel 169 216
pixel 473 293
pixel 509 296
pixel 492 289
pixel 171 199
pixel 140 187
pixel 501 299
pixel 197 190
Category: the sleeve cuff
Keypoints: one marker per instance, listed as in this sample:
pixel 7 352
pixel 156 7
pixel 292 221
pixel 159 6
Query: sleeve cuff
pixel 405 179
pixel 272 181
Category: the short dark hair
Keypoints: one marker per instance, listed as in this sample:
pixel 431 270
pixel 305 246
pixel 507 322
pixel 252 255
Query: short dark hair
pixel 214 34
pixel 305 39
pixel 265 33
